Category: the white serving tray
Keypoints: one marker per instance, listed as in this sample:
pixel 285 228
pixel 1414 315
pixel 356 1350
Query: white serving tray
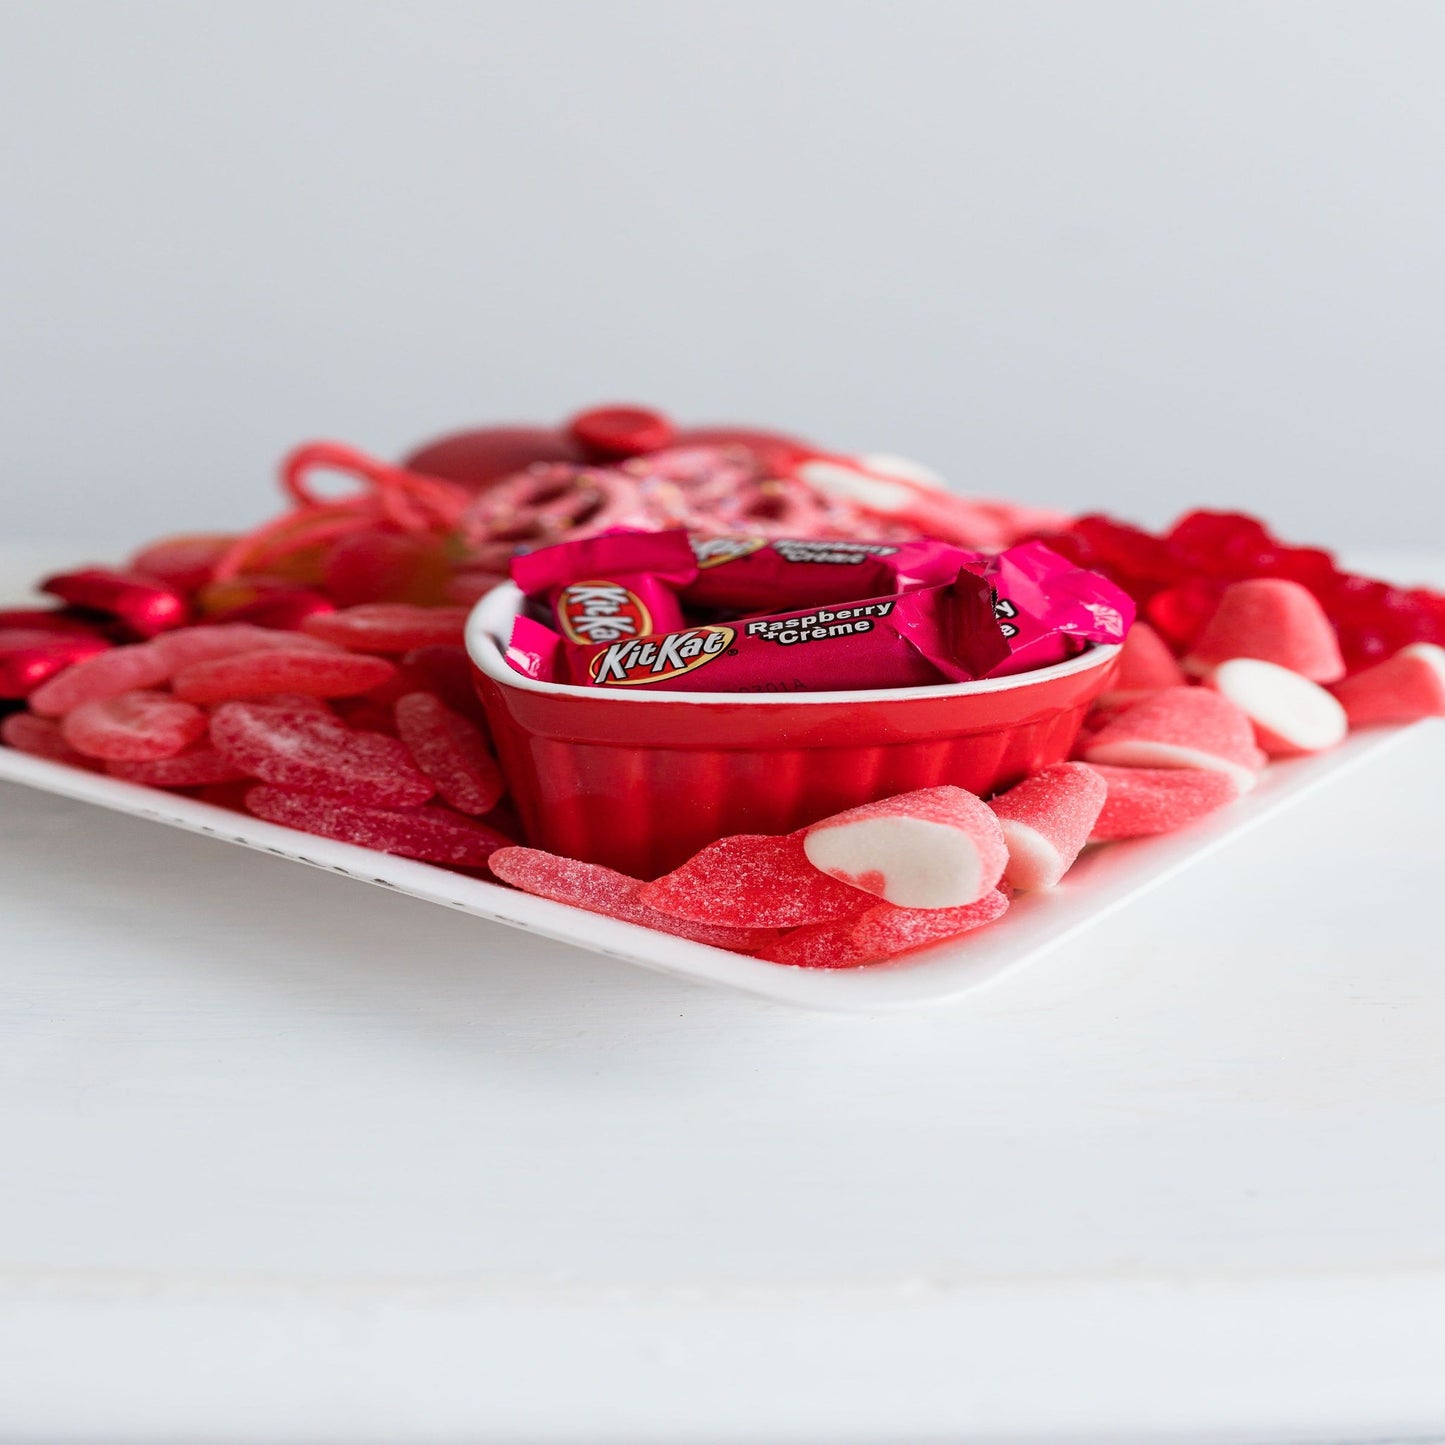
pixel 1103 880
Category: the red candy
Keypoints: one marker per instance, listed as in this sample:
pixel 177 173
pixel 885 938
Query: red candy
pixel 183 564
pixel 107 674
pixel 1410 686
pixel 303 669
pixel 1146 665
pixel 318 754
pixel 450 751
pixel 1046 821
pixel 752 881
pixel 41 738
pixel 30 657
pixel 390 627
pixel 476 459
pixel 880 932
pixel 145 606
pixel 188 645
pixel 134 727
pixel 198 768
pixel 1144 801
pixel 603 890
pixel 432 834
pixel 610 433
pixel 1273 620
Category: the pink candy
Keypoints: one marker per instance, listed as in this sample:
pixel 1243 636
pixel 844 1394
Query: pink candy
pixel 303 669
pixel 450 751
pixel 198 768
pixel 1181 727
pixel 107 674
pixel 1291 715
pixel 1404 688
pixel 1146 665
pixel 134 727
pixel 41 738
pixel 188 645
pixel 1146 801
pixel 390 627
pixel 934 848
pixel 1046 820
pixel 603 890
pixel 1274 620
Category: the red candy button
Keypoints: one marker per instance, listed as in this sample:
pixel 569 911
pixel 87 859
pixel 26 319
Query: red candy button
pixel 612 433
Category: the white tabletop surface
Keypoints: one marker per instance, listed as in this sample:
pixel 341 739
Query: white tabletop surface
pixel 284 1158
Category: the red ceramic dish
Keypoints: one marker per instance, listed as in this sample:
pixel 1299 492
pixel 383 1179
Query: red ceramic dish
pixel 642 782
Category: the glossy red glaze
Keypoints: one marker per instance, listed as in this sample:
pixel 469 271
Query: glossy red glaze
pixel 641 783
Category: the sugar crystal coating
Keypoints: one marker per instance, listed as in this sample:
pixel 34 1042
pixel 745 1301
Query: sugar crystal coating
pixel 1146 665
pixel 450 751
pixel 196 768
pixel 932 848
pixel 1274 620
pixel 1181 727
pixel 205 643
pixel 134 727
pixel 1404 688
pixel 752 880
pixel 300 669
pixel 432 834
pixel 1046 821
pixel 390 627
pixel 41 738
pixel 604 890
pixel 107 674
pixel 1146 801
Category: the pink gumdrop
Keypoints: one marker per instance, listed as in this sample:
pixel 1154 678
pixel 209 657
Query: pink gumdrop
pixel 603 890
pixel 312 671
pixel 197 768
pixel 107 674
pixel 752 880
pixel 881 932
pixel 134 727
pixel 1146 665
pixel 41 738
pixel 1046 821
pixel 1146 801
pixel 1274 620
pixel 1404 688
pixel 317 754
pixel 1291 715
pixel 389 626
pixel 432 834
pixel 1181 727
pixel 189 645
pixel 450 751
pixel 935 848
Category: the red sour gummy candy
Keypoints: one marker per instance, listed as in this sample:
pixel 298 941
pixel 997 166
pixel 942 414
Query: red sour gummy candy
pixel 311 671
pixel 603 890
pixel 752 880
pixel 134 727
pixel 205 643
pixel 389 627
pixel 107 674
pixel 450 751
pixel 197 768
pixel 41 738
pixel 435 835
pixel 317 754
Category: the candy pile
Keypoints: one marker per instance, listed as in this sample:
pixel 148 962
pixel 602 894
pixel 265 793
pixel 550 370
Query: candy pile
pixel 311 672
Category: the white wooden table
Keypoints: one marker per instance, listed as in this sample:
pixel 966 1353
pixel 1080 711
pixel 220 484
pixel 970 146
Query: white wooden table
pixel 284 1158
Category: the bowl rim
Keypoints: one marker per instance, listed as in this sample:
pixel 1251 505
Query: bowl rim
pixel 502 605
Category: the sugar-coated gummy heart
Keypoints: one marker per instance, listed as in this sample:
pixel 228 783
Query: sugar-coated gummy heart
pixel 143 605
pixel 1146 665
pixel 934 848
pixel 134 727
pixel 1046 821
pixel 1146 801
pixel 1274 620
pixel 450 751
pixel 307 670
pixel 389 627
pixel 881 932
pixel 205 643
pixel 1291 714
pixel 1181 727
pixel 196 768
pixel 432 834
pixel 107 674
pixel 604 890
pixel 1404 688
pixel 313 753
pixel 752 880
pixel 41 738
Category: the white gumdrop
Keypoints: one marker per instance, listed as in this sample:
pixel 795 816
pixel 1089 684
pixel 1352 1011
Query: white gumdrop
pixel 1144 753
pixel 913 862
pixel 1290 713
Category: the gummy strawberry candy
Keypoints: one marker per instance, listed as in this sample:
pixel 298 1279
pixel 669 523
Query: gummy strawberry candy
pixel 41 738
pixel 881 932
pixel 1274 620
pixel 1046 820
pixel 389 627
pixel 196 768
pixel 432 834
pixel 107 674
pixel 450 751
pixel 134 727
pixel 752 880
pixel 603 890
pixel 933 848
pixel 1142 802
pixel 299 669
pixel 1406 687
pixel 317 754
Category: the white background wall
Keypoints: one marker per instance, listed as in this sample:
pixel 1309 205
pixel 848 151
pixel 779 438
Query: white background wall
pixel 1102 254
